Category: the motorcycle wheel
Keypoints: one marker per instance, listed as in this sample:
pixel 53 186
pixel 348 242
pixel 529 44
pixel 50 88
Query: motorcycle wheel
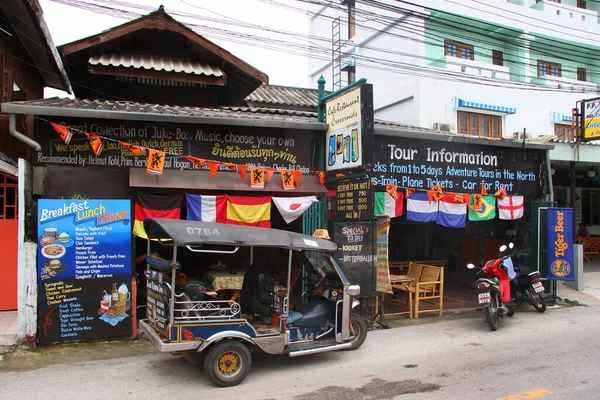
pixel 537 301
pixel 491 312
pixel 358 330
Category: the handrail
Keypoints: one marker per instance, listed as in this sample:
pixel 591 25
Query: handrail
pixel 190 248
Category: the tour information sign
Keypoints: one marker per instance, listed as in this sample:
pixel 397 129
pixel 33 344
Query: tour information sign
pixel 354 200
pixel 84 269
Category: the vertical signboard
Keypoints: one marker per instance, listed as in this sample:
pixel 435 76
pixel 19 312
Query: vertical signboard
pixel 355 254
pixel 590 111
pixel 353 200
pixel 560 244
pixel 84 269
pixel 349 137
pixel 383 283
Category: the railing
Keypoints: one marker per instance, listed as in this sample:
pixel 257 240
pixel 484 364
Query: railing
pixel 474 68
pixel 198 311
pixel 565 15
pixel 565 83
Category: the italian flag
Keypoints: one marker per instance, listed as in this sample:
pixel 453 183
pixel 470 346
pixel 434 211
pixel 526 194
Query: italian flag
pixel 386 205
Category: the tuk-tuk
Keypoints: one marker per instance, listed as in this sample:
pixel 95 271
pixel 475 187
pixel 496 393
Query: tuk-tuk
pixel 188 318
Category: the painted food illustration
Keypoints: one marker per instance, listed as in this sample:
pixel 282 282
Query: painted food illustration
pixel 52 268
pixel 53 251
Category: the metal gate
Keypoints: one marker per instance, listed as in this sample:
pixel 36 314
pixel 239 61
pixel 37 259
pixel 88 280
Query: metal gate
pixel 314 218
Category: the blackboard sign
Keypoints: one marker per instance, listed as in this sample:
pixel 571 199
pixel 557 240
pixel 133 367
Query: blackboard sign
pixel 353 200
pixel 84 269
pixel 456 167
pixel 355 254
pixel 271 148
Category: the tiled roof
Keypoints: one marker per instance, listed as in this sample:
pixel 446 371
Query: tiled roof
pixel 146 108
pixel 254 116
pixel 284 96
pixel 157 63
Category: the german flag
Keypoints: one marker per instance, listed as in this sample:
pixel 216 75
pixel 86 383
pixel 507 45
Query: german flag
pixel 154 206
pixel 249 210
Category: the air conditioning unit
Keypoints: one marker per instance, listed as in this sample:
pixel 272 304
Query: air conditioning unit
pixel 444 127
pixel 519 135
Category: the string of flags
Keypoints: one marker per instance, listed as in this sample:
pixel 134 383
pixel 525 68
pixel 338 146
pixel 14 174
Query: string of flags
pixel 448 209
pixel 479 205
pixel 259 176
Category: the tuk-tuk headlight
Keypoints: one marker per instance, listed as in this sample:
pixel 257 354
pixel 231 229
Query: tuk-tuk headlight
pixel 353 290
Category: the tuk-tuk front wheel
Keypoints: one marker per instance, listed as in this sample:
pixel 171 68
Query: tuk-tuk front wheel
pixel 358 331
pixel 227 363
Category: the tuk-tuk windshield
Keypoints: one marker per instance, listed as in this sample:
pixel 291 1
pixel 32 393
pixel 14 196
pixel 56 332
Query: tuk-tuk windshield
pixel 320 261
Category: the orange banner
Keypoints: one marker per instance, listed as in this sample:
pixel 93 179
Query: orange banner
pixel 156 162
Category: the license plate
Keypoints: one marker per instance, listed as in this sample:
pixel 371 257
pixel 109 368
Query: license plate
pixel 484 298
pixel 538 287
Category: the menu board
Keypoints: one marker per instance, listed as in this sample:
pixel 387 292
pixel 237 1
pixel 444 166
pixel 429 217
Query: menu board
pixel 157 310
pixel 355 253
pixel 354 200
pixel 84 269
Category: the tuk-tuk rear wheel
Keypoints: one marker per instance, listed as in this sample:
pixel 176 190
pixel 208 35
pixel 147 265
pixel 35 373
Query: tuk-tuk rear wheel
pixel 227 363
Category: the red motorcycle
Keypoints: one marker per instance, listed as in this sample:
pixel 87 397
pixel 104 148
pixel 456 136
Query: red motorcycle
pixel 494 289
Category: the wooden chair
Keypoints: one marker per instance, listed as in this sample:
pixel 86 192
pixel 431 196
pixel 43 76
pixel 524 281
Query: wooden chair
pixel 429 289
pixel 406 283
pixel 591 249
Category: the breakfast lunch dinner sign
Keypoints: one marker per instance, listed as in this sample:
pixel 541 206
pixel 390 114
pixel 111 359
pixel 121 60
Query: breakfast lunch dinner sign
pixel 84 269
pixel 350 126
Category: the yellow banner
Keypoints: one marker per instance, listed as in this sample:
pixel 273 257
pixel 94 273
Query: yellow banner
pixel 591 123
pixel 383 284
pixel 343 111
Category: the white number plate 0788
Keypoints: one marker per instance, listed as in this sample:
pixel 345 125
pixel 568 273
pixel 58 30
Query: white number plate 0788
pixel 484 298
pixel 538 287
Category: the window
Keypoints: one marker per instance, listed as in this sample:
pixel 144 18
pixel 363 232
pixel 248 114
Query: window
pixel 351 18
pixel 548 68
pixel 459 50
pixel 497 58
pixel 563 132
pixel 590 207
pixel 480 124
pixel 581 74
pixel 581 4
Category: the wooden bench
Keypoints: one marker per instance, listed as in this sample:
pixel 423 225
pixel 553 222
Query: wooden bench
pixel 591 248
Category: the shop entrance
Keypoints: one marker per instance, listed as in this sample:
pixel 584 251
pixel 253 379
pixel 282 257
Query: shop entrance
pixel 9 222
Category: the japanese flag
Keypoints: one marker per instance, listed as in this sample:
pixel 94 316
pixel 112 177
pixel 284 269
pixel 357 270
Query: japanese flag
pixel 293 207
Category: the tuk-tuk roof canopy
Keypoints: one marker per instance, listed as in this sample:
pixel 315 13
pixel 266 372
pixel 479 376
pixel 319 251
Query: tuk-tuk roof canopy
pixel 194 233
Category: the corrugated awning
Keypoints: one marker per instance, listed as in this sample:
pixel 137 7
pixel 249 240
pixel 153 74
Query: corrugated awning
pixel 483 106
pixel 156 63
pixel 558 117
pixel 224 180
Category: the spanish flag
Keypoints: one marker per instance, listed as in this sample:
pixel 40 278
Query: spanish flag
pixel 154 206
pixel 249 210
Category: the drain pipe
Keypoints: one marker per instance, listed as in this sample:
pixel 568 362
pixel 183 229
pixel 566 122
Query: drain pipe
pixel 12 128
pixel 549 173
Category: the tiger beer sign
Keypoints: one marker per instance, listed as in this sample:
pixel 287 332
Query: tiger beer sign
pixel 350 122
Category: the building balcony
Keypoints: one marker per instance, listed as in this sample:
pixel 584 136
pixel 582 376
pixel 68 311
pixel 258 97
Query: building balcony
pixel 474 68
pixel 564 15
pixel 565 83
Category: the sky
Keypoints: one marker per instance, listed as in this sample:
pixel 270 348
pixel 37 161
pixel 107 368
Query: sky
pixel 68 23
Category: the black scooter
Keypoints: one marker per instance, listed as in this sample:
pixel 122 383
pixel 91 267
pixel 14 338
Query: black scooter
pixel 528 289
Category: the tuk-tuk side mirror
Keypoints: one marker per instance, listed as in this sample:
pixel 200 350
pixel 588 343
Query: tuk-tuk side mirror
pixel 353 290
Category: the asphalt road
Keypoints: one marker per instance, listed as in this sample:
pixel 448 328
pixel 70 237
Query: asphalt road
pixel 556 352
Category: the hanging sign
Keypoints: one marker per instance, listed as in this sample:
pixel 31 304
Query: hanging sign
pixel 350 132
pixel 561 261
pixel 591 119
pixel 353 200
pixel 84 269
pixel 382 283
